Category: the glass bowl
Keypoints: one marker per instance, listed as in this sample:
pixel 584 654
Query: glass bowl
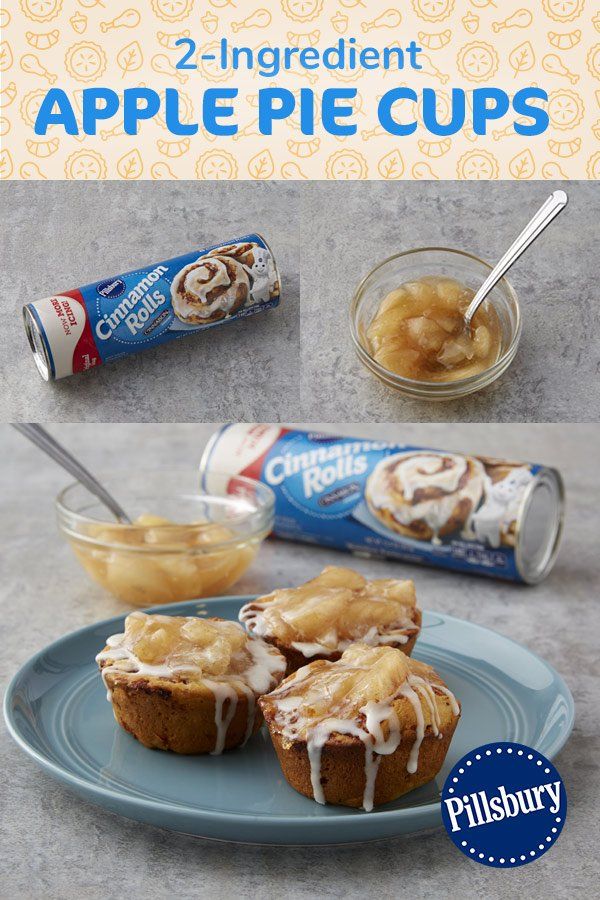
pixel 206 546
pixel 409 266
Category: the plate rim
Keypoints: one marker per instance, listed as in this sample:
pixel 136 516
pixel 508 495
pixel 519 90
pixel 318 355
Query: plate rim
pixel 81 785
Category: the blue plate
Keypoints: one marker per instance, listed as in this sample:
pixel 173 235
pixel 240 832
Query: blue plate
pixel 56 710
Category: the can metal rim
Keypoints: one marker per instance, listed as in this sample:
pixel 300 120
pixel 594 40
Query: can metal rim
pixel 533 571
pixel 38 344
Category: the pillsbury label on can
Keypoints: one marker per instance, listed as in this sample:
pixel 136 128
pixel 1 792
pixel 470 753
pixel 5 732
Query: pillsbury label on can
pixel 85 327
pixel 451 510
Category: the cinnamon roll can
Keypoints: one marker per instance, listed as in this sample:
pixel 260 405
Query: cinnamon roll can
pixel 450 510
pixel 83 328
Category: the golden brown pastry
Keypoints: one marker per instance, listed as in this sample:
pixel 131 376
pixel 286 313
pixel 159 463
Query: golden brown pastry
pixel 187 684
pixel 361 731
pixel 321 618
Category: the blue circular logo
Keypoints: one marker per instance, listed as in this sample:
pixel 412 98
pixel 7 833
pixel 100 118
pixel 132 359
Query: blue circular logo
pixel 504 805
pixel 112 288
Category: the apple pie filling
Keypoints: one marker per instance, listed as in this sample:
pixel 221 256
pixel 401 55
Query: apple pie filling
pixel 419 332
pixel 333 610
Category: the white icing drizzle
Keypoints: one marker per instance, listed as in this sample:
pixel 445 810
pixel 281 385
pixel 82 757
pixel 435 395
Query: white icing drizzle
pixel 308 649
pixel 371 733
pixel 251 701
pixel 373 638
pixel 409 690
pixel 133 665
pixel 317 738
pixel 454 705
pixel 372 761
pixel 258 678
pixel 222 692
pixel 265 665
pixel 395 480
pixel 250 615
pixel 375 714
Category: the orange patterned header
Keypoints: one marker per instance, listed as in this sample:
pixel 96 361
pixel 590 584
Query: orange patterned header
pixel 75 44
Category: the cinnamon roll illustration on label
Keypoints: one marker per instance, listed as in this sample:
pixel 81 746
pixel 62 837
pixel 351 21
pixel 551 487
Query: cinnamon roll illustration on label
pixel 210 289
pixel 83 328
pixel 222 282
pixel 425 495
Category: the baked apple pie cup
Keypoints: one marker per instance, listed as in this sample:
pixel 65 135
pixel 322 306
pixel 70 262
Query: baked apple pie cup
pixel 363 730
pixel 187 684
pixel 429 264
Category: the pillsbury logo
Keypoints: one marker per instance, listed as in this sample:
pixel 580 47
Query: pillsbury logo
pixel 504 805
pixel 112 288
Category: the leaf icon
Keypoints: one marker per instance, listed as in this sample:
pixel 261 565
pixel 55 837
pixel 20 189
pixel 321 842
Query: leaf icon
pixel 391 165
pixel 130 58
pixel 261 166
pixel 523 165
pixel 522 58
pixel 130 166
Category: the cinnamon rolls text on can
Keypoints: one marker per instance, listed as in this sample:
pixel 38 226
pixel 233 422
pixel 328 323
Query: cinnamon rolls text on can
pixel 82 328
pixel 450 510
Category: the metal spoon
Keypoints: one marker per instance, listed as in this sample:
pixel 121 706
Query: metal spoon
pixel 555 203
pixel 40 437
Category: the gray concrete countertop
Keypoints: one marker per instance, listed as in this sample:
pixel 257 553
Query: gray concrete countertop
pixel 56 845
pixel 298 357
pixel 353 226
pixel 60 235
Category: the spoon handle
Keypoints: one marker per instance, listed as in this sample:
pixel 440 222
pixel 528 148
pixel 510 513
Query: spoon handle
pixel 40 437
pixel 555 203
